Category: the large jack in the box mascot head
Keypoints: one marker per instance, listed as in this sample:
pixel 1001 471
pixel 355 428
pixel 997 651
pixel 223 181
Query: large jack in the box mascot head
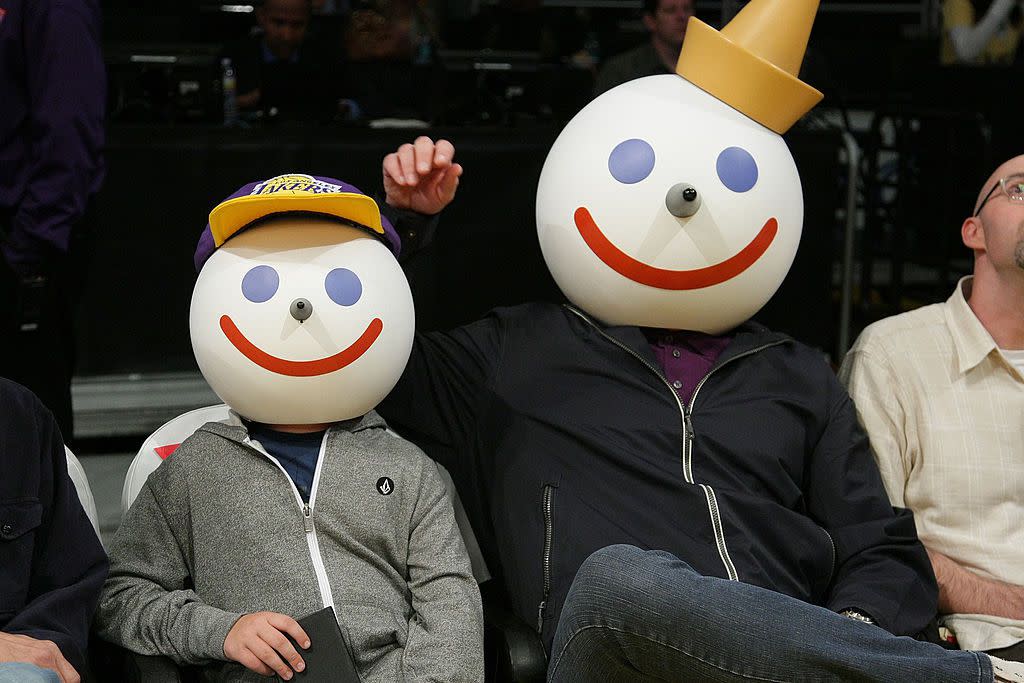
pixel 672 201
pixel 301 313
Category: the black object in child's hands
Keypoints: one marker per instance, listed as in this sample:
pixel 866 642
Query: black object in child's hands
pixel 329 658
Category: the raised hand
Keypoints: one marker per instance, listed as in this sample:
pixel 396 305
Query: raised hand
pixel 421 176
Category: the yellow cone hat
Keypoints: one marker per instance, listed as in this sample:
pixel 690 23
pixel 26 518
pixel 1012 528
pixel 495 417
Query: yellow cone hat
pixel 752 64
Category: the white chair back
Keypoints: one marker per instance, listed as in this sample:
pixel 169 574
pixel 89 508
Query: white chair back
pixel 162 443
pixel 77 474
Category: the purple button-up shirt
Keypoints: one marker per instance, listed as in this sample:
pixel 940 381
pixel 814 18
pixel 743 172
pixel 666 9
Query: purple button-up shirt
pixel 52 96
pixel 685 356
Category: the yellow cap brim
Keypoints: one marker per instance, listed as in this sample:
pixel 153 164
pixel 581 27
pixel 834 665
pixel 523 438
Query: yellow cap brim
pixel 229 217
pixel 731 73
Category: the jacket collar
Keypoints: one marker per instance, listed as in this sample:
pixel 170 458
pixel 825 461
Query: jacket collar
pixel 234 428
pixel 972 341
pixel 746 337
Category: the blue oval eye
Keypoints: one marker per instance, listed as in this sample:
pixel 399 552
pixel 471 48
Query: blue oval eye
pixel 631 161
pixel 737 169
pixel 343 286
pixel 260 283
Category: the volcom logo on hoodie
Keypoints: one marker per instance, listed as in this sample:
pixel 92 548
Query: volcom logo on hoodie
pixel 385 486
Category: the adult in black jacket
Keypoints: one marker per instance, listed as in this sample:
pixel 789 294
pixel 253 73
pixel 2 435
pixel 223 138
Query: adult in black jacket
pixel 52 565
pixel 667 490
pixel 570 448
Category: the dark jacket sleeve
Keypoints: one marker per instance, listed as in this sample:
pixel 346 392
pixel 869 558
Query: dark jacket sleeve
pixel 68 564
pixel 445 388
pixel 416 230
pixel 881 567
pixel 66 82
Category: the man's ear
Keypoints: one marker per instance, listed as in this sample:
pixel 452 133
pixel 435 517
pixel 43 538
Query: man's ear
pixel 972 232
pixel 648 22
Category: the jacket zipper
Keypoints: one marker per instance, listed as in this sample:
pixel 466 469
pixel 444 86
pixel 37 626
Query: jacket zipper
pixel 709 492
pixel 306 509
pixel 832 545
pixel 687 439
pixel 548 509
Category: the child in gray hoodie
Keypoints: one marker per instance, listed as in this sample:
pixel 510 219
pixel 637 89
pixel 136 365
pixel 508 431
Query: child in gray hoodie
pixel 301 321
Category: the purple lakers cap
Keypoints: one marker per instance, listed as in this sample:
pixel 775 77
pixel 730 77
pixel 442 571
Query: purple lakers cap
pixel 289 193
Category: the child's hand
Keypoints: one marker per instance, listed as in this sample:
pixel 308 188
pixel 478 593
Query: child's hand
pixel 421 176
pixel 257 642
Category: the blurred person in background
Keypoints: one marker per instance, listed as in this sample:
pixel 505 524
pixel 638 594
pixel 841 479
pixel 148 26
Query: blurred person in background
pixel 52 90
pixel 390 48
pixel 981 31
pixel 286 69
pixel 666 21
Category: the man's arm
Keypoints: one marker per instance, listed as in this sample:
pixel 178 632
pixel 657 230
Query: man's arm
pixel 67 88
pixel 876 393
pixel 436 401
pixel 882 569
pixel 961 591
pixel 146 606
pixel 446 632
pixel 416 230
pixel 68 562
pixel 444 388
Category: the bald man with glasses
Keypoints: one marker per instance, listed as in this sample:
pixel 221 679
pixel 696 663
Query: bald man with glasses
pixel 940 392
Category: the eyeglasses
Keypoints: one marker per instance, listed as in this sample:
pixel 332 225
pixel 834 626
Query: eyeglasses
pixel 1012 186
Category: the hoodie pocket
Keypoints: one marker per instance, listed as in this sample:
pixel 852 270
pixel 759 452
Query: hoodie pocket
pixel 18 521
pixel 372 633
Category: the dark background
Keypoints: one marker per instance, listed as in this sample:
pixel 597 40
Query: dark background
pixel 928 137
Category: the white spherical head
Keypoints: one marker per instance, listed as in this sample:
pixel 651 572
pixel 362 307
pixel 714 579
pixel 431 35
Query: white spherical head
pixel 660 206
pixel 302 320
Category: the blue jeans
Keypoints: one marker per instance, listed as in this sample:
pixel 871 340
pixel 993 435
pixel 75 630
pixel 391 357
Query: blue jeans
pixel 632 615
pixel 23 672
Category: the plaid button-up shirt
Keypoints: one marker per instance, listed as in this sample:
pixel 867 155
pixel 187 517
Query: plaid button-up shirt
pixel 944 411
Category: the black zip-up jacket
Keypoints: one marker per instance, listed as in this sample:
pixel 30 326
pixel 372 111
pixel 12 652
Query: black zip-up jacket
pixel 52 565
pixel 563 437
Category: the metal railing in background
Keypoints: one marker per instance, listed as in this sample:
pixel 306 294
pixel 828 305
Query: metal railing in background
pixel 853 156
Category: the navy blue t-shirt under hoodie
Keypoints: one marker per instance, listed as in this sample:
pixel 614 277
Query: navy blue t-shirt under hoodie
pixel 297 453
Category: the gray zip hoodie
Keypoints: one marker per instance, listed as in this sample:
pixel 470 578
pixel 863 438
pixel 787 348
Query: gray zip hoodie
pixel 219 531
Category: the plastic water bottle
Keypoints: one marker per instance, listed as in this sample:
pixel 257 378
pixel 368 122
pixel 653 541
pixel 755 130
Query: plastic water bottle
pixel 229 87
pixel 424 51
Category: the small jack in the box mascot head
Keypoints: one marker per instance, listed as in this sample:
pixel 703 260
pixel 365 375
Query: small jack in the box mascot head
pixel 301 313
pixel 672 201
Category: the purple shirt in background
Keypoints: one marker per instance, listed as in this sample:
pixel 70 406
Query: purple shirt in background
pixel 52 98
pixel 685 356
